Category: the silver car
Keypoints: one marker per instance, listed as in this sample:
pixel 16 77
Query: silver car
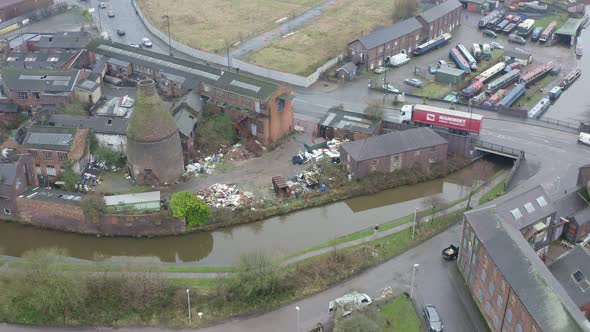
pixel 390 88
pixel 146 42
pixel 414 82
pixel 433 321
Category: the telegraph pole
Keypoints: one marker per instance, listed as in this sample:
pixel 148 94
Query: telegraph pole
pixel 169 38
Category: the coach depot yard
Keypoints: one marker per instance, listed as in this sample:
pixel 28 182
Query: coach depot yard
pixel 560 54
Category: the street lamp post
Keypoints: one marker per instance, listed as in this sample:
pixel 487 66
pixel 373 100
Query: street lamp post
pixel 169 39
pixel 414 224
pixel 188 298
pixel 298 320
pixel 413 277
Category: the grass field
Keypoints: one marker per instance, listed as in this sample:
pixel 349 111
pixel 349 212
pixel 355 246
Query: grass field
pixel 401 314
pixel 325 37
pixel 212 25
pixel 495 192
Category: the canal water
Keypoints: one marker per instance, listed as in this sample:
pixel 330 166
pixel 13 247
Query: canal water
pixel 574 104
pixel 276 236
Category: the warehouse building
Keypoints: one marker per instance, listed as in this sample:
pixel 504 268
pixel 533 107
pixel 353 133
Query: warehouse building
pixel 440 19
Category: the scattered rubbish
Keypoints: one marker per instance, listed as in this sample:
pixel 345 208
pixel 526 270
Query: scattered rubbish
pixel 238 152
pixel 225 195
pixel 206 165
pixel 330 149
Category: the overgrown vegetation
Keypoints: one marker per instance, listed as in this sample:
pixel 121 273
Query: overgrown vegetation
pixel 103 153
pixel 75 108
pixel 93 205
pixel 403 9
pixel 374 110
pixel 186 205
pixel 496 191
pixel 215 129
pixel 69 177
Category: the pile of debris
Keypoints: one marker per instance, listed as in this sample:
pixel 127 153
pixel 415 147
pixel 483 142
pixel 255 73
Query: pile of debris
pixel 225 195
pixel 331 150
pixel 238 152
pixel 304 182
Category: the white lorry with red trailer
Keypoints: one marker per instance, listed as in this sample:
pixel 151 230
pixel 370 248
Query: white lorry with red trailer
pixel 455 121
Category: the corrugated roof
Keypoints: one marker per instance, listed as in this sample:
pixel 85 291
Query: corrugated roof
pixel 185 122
pixel 152 196
pixel 49 138
pixel 537 289
pixel 67 40
pixel 577 259
pixel 516 54
pixel 392 143
pixel 450 71
pixel 570 27
pixel 356 122
pixel 382 35
pixel 28 60
pixel 53 195
pixel 98 124
pixel 441 10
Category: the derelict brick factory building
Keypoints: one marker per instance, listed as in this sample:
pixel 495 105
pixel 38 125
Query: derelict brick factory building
pixel 154 152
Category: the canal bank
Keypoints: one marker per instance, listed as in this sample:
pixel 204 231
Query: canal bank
pixel 274 235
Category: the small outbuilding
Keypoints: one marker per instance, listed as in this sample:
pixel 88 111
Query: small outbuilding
pixel 449 75
pixel 141 202
pixel 347 125
pixel 524 58
pixel 391 152
pixel 347 72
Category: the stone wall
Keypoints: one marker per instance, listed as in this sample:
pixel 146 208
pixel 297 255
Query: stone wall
pixel 71 218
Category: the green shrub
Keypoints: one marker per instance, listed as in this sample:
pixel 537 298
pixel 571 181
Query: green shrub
pixel 186 205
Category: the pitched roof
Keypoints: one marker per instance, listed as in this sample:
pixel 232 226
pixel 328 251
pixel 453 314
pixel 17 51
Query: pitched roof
pixel 185 122
pixel 49 81
pixel 357 122
pixel 450 71
pixel 382 35
pixel 88 85
pixel 392 143
pixel 441 10
pixel 67 40
pixel 37 60
pixel 569 204
pixel 537 289
pixel 349 67
pixel 516 54
pixel 98 124
pixel 49 138
pixel 527 208
pixel 577 259
pixel 194 73
pixel 53 195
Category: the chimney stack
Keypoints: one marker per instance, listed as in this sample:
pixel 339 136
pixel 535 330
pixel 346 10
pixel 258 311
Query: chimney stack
pixel 146 88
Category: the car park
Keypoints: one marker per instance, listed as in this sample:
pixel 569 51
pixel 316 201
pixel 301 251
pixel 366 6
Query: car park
pixel 146 42
pixel 490 33
pixel 516 39
pixel 111 13
pixel 390 88
pixel 379 70
pixel 497 46
pixel 433 321
pixel 121 32
pixel 414 82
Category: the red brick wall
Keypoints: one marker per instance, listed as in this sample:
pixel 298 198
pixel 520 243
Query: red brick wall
pixel 281 122
pixel 32 102
pixel 71 218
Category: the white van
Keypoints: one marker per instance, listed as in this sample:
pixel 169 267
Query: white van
pixel 584 138
pixel 349 303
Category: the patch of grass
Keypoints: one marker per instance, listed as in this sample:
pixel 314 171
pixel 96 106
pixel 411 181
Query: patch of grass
pixel 2 262
pixel 433 90
pixel 224 166
pixel 325 37
pixel 560 18
pixel 496 191
pixel 534 94
pixel 75 108
pixel 402 315
pixel 196 283
pixel 226 23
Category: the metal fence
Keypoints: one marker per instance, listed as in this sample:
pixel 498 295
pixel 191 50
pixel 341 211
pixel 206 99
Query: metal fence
pixel 563 123
pixel 498 148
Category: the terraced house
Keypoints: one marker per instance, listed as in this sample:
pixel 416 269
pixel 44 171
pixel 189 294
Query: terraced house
pixel 259 109
pixel 372 50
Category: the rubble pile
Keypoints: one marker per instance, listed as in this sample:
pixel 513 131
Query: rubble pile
pixel 331 151
pixel 225 195
pixel 306 181
pixel 238 152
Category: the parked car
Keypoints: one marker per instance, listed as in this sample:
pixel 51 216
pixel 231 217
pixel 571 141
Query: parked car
pixel 390 88
pixel 105 35
pixel 102 5
pixel 490 33
pixel 443 63
pixel 516 39
pixel 432 69
pixel 349 303
pixel 146 42
pixel 536 33
pixel 497 46
pixel 133 45
pixel 432 318
pixel 414 82
pixel 111 13
pixel 379 70
pixel 121 32
pixel 584 138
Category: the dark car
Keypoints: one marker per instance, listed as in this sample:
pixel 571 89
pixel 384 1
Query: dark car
pixel 451 252
pixel 432 318
pixel 490 33
pixel 536 33
pixel 513 38
pixel 121 32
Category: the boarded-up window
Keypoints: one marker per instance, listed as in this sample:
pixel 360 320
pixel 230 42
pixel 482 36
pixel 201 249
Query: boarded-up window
pixel 395 163
pixel 373 164
pixel 50 170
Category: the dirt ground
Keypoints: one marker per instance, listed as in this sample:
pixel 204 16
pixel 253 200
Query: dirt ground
pixel 225 22
pixel 253 174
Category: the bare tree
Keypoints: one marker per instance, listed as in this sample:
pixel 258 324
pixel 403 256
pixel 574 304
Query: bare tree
pixel 475 175
pixel 403 9
pixel 433 203
pixel 374 110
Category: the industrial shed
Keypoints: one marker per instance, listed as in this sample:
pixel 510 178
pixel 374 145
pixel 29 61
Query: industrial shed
pixel 394 151
pixel 449 75
pixel 344 124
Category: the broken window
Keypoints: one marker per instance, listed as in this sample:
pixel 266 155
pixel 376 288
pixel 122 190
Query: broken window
pixel 62 156
pixel 50 170
pixel 23 95
pixel 47 155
